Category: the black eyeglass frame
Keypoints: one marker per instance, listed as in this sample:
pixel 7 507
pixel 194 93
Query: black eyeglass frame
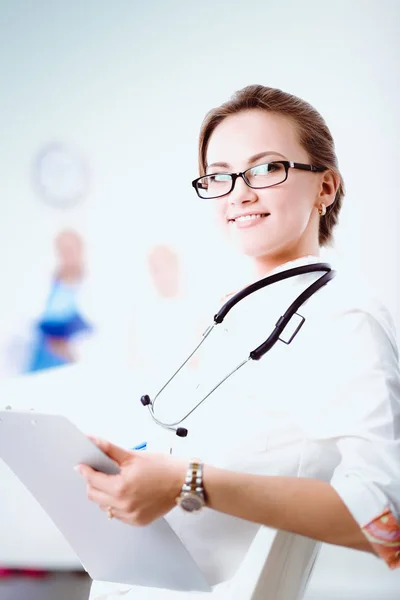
pixel 287 164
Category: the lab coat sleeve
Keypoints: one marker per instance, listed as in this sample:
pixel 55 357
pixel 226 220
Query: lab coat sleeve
pixel 364 424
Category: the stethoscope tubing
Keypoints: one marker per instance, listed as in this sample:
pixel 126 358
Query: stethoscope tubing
pixel 263 348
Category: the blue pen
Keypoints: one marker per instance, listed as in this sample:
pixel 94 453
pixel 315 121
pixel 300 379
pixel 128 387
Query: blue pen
pixel 141 446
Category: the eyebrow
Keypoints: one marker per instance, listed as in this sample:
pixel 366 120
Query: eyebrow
pixel 250 160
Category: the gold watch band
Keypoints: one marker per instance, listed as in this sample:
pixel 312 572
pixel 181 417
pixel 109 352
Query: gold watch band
pixel 194 477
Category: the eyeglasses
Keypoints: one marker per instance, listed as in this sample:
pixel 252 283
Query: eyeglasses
pixel 262 176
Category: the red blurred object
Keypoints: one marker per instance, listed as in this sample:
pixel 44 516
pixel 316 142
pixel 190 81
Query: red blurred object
pixel 28 573
pixel 5 573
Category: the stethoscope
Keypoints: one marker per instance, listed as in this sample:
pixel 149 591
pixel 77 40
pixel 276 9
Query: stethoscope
pixel 263 348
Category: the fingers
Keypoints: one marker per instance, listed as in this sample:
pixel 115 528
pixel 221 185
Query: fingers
pixel 129 518
pixel 116 513
pixel 118 454
pixel 96 479
pixel 106 502
pixel 101 498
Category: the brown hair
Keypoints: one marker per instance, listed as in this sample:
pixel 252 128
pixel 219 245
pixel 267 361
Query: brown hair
pixel 314 135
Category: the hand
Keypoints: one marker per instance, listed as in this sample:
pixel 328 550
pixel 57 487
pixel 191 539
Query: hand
pixel 145 489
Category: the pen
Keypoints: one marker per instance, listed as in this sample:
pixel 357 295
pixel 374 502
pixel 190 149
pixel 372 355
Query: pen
pixel 141 446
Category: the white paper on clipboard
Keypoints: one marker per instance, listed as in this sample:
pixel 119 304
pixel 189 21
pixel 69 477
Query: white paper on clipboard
pixel 42 450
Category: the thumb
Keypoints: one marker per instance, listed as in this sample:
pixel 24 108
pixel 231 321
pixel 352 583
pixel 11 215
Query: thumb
pixel 116 453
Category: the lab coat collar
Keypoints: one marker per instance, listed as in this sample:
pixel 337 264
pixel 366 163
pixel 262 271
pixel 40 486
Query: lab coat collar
pixel 298 262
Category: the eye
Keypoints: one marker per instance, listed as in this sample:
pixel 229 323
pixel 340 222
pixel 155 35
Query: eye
pixel 265 169
pixel 266 175
pixel 219 177
pixel 214 185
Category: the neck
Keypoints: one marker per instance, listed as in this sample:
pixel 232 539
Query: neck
pixel 262 265
pixel 70 274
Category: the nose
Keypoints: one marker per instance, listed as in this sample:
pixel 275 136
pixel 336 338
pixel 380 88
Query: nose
pixel 242 193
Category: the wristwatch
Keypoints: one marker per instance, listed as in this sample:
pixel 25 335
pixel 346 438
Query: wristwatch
pixel 192 496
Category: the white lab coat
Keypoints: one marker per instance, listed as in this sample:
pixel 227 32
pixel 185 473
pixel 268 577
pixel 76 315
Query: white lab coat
pixel 326 406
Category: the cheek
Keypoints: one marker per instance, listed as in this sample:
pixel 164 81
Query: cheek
pixel 220 212
pixel 292 204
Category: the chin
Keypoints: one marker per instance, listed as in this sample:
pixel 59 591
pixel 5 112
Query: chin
pixel 253 250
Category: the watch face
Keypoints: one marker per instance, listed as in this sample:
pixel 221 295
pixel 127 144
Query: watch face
pixel 191 502
pixel 60 176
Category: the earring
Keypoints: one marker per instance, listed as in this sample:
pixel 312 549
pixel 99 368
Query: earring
pixel 322 210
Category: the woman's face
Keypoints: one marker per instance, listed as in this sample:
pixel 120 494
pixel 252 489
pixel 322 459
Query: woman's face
pixel 287 221
pixel 70 250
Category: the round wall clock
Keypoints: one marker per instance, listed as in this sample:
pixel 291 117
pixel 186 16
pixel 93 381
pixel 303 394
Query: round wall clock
pixel 61 175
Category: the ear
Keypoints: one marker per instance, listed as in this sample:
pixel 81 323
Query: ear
pixel 329 185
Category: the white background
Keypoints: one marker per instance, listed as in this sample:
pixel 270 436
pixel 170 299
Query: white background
pixel 127 84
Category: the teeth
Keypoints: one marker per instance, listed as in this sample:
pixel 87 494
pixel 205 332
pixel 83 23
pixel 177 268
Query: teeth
pixel 248 217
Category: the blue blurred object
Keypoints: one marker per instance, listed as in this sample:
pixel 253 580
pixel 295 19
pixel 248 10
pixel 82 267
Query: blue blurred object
pixel 61 321
pixel 43 358
pixel 64 329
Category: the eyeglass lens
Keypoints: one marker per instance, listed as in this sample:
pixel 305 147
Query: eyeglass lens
pixel 260 176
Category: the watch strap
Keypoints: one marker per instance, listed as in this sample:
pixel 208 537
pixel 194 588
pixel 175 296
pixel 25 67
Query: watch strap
pixel 194 478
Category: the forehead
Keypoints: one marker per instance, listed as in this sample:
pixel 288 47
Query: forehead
pixel 251 132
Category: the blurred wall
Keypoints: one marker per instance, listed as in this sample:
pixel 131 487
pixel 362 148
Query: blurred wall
pixel 127 84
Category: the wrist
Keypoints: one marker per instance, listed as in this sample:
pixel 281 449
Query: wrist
pixel 210 484
pixel 179 475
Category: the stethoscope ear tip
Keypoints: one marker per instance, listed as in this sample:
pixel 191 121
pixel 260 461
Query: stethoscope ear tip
pixel 181 432
pixel 145 400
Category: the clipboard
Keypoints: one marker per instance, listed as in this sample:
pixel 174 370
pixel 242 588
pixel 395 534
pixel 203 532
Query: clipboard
pixel 42 450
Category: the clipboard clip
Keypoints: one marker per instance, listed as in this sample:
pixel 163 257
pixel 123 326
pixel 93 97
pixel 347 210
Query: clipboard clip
pixel 9 407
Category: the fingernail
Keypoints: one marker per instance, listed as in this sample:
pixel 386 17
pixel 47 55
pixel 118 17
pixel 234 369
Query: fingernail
pixel 95 440
pixel 77 468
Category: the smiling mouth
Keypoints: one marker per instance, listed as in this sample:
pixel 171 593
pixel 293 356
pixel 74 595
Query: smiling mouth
pixel 245 218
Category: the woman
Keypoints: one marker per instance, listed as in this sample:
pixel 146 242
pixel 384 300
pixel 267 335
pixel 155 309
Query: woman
pixel 61 321
pixel 306 440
